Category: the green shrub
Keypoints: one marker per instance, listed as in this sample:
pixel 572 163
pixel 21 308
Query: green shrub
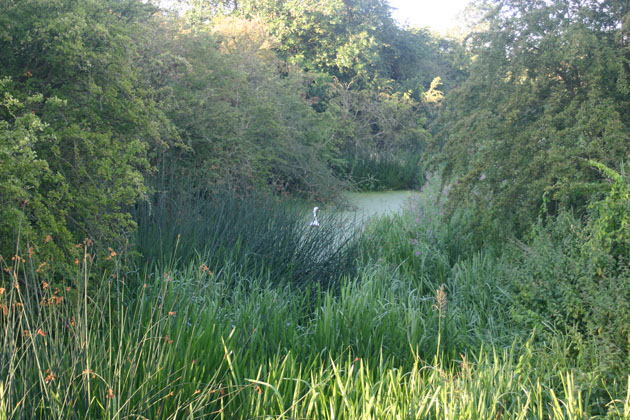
pixel 609 229
pixel 376 174
pixel 31 204
pixel 558 278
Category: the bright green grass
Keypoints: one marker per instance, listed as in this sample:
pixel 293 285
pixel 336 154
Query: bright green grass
pixel 195 345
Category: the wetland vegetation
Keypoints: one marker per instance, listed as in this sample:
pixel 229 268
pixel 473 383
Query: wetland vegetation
pixel 157 260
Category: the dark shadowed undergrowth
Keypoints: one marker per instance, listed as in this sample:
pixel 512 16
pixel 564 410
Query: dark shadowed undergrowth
pixel 251 231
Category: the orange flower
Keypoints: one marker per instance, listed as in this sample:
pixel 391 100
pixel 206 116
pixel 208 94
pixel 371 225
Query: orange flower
pixel 41 332
pixel 44 285
pixel 76 261
pixel 2 289
pixel 50 377
pixel 110 394
pixel 112 254
pixel 48 239
pixel 172 313
pixel 204 268
pixel 27 333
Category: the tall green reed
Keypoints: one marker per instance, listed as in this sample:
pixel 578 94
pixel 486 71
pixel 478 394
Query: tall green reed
pixel 224 343
pixel 73 351
pixel 252 230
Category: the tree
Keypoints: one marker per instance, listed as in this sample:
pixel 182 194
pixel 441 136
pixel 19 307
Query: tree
pixel 543 95
pixel 95 139
pixel 243 115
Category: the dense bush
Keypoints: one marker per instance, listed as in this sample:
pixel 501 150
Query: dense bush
pixel 90 130
pixel 575 275
pixel 547 91
pixel 31 204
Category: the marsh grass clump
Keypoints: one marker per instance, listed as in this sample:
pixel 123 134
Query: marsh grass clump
pixel 79 352
pixel 251 230
pixel 370 173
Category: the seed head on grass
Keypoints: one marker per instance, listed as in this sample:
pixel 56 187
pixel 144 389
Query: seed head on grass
pixel 440 301
pixel 111 255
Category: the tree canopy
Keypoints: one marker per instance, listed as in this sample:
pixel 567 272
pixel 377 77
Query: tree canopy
pixel 548 90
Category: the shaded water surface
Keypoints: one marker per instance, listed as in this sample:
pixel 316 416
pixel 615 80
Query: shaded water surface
pixel 368 204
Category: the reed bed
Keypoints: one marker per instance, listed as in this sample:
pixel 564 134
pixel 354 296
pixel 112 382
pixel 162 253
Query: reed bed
pixel 253 231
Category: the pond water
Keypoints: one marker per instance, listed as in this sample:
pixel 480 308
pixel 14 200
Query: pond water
pixel 357 208
pixel 368 204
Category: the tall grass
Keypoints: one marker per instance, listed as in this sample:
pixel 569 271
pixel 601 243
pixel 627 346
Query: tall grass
pixel 191 344
pixel 208 333
pixel 253 231
pixel 375 174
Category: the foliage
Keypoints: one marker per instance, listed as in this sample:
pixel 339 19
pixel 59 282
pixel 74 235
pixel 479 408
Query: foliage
pixel 93 140
pixel 31 203
pixel 557 280
pixel 545 92
pixel 575 274
pixel 370 174
pixel 241 115
pixel 381 135
pixel 372 79
pixel 610 218
pixel 343 38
